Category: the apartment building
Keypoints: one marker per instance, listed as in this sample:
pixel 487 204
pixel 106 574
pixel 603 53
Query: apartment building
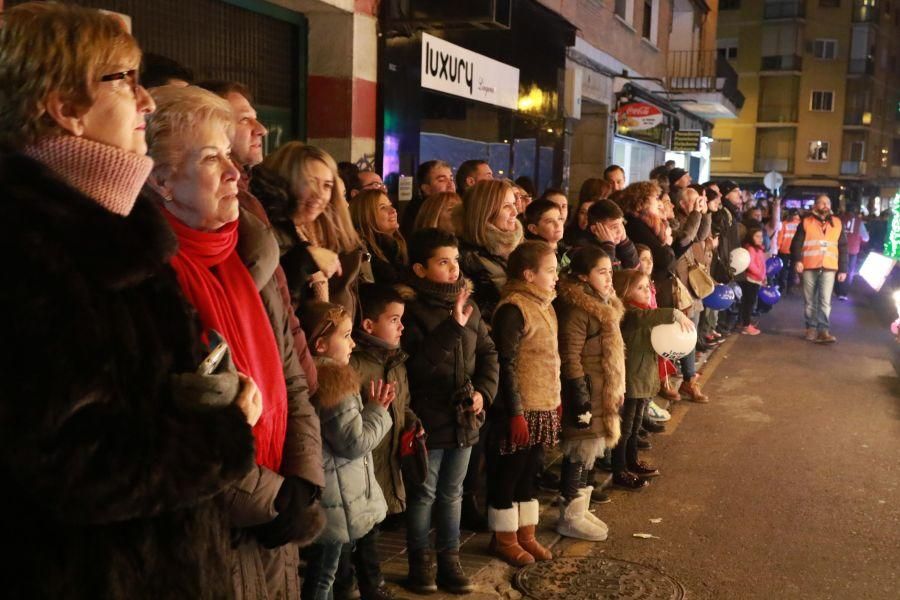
pixel 821 84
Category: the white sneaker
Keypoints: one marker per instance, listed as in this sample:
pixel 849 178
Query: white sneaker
pixel 656 413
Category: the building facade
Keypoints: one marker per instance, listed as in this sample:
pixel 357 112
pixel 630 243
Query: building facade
pixel 821 80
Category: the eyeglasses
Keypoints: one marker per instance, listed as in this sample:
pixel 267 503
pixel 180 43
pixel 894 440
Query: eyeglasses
pixel 375 185
pixel 130 76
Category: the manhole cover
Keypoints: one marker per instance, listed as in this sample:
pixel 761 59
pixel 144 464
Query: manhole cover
pixel 593 577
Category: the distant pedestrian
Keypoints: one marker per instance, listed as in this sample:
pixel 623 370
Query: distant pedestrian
pixel 819 251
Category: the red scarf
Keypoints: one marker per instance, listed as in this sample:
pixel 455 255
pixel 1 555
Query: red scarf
pixel 219 286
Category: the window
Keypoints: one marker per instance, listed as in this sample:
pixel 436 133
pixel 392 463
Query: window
pixel 649 20
pixel 857 151
pixel 822 101
pixel 895 159
pixel 729 4
pixel 818 151
pixel 624 9
pixel 720 150
pixel 727 48
pixel 824 48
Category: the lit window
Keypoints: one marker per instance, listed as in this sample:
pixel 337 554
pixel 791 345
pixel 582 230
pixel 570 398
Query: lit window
pixel 818 151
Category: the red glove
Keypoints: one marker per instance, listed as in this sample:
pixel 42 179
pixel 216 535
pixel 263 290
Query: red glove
pixel 559 411
pixel 518 430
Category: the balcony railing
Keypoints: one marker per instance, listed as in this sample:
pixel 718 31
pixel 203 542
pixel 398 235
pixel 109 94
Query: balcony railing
pixel 785 9
pixel 703 71
pixel 782 62
pixel 782 165
pixel 861 66
pixel 853 167
pixel 777 113
pixel 864 12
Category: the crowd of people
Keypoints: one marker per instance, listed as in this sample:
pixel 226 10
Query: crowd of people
pixel 222 363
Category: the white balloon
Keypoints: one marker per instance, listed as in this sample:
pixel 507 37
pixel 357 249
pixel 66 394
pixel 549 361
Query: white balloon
pixel 740 260
pixel 672 342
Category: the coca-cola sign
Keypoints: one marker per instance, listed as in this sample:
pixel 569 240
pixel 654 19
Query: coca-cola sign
pixel 638 116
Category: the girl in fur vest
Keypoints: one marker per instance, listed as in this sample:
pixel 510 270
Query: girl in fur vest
pixel 352 499
pixel 641 372
pixel 593 375
pixel 524 418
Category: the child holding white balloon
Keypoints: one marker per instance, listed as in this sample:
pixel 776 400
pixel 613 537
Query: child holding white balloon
pixel 641 372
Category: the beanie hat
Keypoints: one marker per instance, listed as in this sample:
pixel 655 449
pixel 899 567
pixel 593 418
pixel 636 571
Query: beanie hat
pixel 676 174
pixel 726 186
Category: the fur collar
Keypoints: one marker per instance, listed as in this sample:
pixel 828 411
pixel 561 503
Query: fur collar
pixel 529 290
pixel 116 251
pixel 336 383
pixel 502 243
pixel 575 292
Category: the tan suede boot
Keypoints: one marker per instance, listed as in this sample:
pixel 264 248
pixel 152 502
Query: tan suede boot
pixel 691 389
pixel 505 543
pixel 529 513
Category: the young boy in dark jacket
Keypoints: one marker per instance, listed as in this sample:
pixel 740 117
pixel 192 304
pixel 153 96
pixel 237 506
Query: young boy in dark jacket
pixel 453 374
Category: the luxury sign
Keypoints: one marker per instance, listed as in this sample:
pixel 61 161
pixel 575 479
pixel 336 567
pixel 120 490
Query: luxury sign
pixel 454 70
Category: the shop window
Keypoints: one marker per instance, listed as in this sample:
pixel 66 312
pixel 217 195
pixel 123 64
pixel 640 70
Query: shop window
pixel 822 101
pixel 818 151
pixel 624 9
pixel 720 150
pixel 825 49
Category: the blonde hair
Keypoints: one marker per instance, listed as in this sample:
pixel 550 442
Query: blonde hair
pixel 430 213
pixel 62 48
pixel 180 113
pixel 364 210
pixel 626 280
pixel 481 204
pixel 333 229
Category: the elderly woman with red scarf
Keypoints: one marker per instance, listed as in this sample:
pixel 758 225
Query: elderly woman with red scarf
pixel 226 264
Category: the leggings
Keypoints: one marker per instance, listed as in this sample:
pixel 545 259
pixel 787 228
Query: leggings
pixel 625 454
pixel 512 476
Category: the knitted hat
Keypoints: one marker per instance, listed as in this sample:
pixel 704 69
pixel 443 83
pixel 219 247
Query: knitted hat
pixel 676 174
pixel 726 186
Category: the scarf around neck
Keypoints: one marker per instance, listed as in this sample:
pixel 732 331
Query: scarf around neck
pixel 445 293
pixel 502 243
pixel 110 176
pixel 218 285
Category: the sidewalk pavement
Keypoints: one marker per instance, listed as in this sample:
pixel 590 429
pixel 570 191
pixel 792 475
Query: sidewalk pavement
pixel 492 577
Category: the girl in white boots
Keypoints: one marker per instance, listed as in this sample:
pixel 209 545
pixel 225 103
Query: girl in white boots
pixel 593 383
pixel 524 419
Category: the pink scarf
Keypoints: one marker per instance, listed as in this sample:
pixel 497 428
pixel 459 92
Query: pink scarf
pixel 112 177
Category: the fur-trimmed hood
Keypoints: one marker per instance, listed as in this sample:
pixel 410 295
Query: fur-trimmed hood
pixel 573 292
pixel 336 383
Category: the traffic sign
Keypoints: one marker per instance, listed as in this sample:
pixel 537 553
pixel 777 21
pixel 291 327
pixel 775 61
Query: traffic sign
pixel 773 180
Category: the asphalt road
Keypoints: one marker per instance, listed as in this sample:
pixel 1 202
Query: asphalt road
pixel 787 485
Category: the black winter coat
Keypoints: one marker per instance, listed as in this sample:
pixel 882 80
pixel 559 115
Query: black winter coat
pixel 663 255
pixel 109 482
pixel 438 348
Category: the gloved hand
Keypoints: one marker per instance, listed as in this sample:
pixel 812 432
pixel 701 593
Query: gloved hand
pixel 518 430
pixel 578 402
pixel 296 514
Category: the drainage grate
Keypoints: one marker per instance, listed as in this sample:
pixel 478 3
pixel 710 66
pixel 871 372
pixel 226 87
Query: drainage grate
pixel 594 577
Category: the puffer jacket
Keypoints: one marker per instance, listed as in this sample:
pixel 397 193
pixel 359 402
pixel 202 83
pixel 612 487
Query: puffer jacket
pixel 443 355
pixel 373 360
pixel 641 365
pixel 487 272
pixel 352 499
pixel 593 359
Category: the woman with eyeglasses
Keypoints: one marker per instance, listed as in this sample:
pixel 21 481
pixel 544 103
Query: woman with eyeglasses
pixel 321 252
pixel 226 264
pixel 113 446
pixel 376 221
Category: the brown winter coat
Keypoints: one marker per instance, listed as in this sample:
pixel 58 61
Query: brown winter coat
pixel 258 573
pixel 373 362
pixel 591 346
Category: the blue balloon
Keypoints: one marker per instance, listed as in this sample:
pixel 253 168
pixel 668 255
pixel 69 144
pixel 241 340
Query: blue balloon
pixel 738 292
pixel 721 298
pixel 774 266
pixel 769 294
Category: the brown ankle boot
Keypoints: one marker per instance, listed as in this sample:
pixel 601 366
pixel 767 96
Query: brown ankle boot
pixel 504 523
pixel 529 514
pixel 691 389
pixel 666 391
pixel 531 545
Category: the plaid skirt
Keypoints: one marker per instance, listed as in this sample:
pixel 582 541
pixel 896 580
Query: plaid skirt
pixel 543 429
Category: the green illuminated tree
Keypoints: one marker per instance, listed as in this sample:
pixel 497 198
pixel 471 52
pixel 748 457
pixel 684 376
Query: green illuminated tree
pixel 892 240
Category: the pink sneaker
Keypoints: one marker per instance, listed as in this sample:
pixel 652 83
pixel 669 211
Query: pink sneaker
pixel 750 330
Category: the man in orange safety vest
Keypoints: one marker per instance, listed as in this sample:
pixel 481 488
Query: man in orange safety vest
pixel 819 252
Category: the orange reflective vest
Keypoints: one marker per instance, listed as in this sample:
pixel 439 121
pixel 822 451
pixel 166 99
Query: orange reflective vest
pixel 820 246
pixel 785 235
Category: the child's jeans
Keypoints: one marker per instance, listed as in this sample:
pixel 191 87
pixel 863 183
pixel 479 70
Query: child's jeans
pixel 363 555
pixel 625 454
pixel 321 565
pixel 443 486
